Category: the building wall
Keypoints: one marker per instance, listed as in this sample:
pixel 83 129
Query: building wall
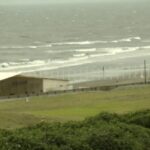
pixel 21 86
pixel 52 85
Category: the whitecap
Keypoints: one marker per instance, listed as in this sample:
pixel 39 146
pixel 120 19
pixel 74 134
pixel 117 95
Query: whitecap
pixel 26 46
pixel 80 43
pixel 137 38
pixel 126 39
pixel 34 47
pixel 146 47
pixel 115 51
pixel 77 59
pixel 12 47
pixel 47 45
pixel 13 63
pixel 37 62
pixel 3 65
pixel 115 41
pixel 86 50
pixel 25 60
pixel 79 55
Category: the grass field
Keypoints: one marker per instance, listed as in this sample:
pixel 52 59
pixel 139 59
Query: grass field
pixel 73 106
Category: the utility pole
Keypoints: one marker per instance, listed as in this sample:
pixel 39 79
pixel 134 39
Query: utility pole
pixel 103 72
pixel 145 72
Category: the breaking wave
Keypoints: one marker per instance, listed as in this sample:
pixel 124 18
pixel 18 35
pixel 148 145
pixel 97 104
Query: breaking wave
pixel 86 50
pixel 26 47
pixel 97 42
pixel 79 55
pixel 79 43
pixel 115 51
pixel 130 39
pixel 126 39
pixel 78 58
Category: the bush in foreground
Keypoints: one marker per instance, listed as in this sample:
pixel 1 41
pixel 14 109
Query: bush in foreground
pixel 102 132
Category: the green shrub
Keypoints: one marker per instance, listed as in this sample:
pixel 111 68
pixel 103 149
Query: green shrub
pixel 16 143
pixel 140 118
pixel 102 132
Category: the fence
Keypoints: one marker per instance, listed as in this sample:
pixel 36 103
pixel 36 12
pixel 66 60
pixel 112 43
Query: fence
pixel 103 74
pixel 96 78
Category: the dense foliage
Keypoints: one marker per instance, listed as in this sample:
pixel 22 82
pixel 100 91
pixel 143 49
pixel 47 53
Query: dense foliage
pixel 102 132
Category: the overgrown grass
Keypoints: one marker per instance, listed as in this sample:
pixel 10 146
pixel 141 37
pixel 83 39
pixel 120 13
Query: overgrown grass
pixel 73 106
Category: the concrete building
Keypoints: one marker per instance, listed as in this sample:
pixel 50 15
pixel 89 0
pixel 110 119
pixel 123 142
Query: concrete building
pixel 16 84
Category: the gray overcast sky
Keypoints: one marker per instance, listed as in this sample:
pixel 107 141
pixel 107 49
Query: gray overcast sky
pixel 54 1
pixel 40 1
pixel 57 1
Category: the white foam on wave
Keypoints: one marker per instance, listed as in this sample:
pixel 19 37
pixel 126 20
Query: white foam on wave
pixel 26 46
pixel 33 47
pixel 86 50
pixel 3 65
pixel 80 43
pixel 39 46
pixel 115 41
pixel 75 61
pixel 25 60
pixel 137 38
pixel 37 62
pixel 129 39
pixel 68 63
pixel 11 47
pixel 44 46
pixel 126 39
pixel 115 51
pixel 59 51
pixel 79 55
pixel 131 49
pixel 35 65
pixel 72 50
pixel 23 64
pixel 13 63
pixel 146 47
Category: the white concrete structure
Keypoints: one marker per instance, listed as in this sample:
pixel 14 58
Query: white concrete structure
pixel 16 84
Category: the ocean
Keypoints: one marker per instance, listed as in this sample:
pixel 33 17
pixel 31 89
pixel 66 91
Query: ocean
pixel 74 36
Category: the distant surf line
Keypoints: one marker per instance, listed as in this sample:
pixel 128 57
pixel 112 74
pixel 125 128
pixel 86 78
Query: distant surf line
pixel 82 43
pixel 75 60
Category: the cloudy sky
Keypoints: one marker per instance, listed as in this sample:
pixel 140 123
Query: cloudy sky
pixel 57 1
pixel 41 1
pixel 48 1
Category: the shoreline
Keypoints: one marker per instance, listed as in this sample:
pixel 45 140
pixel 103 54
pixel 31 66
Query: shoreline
pixel 115 66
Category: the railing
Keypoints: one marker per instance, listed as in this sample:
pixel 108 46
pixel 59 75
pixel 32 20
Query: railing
pixel 93 79
pixel 75 90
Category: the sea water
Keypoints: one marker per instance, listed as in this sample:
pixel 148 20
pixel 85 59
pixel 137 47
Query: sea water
pixel 74 35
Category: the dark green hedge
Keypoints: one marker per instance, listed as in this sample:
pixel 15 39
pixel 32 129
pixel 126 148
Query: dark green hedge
pixel 102 132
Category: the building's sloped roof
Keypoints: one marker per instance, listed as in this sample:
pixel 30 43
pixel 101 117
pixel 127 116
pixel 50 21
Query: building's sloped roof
pixel 6 75
pixel 37 77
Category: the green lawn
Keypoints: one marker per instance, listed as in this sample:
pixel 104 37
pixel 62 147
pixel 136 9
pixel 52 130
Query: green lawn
pixel 73 106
